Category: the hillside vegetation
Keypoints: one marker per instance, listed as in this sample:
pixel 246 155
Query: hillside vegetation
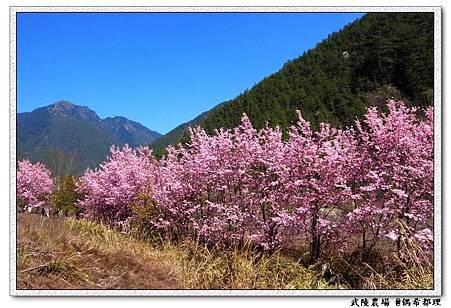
pixel 380 56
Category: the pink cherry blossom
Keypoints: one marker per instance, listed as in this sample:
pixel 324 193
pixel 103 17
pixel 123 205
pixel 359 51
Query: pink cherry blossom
pixel 117 184
pixel 333 186
pixel 34 185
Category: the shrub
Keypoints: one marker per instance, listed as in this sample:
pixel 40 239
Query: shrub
pixel 65 196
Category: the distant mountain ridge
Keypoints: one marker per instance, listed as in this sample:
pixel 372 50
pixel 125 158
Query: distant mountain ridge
pixel 68 136
pixel 69 109
pixel 130 132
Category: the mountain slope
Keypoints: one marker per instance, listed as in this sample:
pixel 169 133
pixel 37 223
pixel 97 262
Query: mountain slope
pixel 176 134
pixel 130 132
pixel 377 57
pixel 64 135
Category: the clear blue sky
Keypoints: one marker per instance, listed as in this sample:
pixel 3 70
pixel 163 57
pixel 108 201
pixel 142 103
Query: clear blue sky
pixel 159 69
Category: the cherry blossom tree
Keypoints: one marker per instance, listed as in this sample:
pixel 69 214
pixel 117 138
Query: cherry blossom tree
pixel 111 190
pixel 318 164
pixel 332 187
pixel 34 186
pixel 395 182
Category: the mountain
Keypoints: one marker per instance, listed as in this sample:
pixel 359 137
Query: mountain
pixel 67 136
pixel 127 131
pixel 379 56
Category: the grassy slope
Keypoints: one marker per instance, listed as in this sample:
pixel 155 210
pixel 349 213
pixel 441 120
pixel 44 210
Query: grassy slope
pixel 57 254
pixel 54 253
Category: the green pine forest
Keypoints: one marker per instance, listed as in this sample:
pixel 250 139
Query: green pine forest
pixel 380 56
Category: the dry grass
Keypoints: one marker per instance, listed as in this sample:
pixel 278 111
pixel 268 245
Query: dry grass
pixel 387 270
pixel 77 254
pixel 199 267
pixel 57 254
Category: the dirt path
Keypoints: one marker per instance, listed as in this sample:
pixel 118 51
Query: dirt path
pixel 54 253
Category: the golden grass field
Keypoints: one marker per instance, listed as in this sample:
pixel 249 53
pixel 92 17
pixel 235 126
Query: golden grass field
pixel 56 253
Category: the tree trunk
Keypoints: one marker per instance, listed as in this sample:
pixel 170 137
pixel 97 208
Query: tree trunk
pixel 316 242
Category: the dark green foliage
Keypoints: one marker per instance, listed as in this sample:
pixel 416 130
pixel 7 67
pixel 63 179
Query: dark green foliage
pixel 65 197
pixel 380 56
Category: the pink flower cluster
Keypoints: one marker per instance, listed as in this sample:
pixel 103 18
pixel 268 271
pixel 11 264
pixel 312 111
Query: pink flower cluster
pixel 116 185
pixel 393 186
pixel 327 186
pixel 34 185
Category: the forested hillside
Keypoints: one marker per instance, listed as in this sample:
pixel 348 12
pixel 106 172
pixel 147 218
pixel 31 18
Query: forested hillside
pixel 382 55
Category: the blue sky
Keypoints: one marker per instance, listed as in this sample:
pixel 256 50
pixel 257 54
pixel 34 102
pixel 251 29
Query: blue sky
pixel 159 69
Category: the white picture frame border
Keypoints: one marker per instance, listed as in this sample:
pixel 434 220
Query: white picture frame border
pixel 435 292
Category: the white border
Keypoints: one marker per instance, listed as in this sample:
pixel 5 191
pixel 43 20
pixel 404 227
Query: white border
pixel 437 291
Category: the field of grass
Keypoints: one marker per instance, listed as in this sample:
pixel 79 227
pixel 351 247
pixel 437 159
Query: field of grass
pixel 56 253
pixel 53 253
